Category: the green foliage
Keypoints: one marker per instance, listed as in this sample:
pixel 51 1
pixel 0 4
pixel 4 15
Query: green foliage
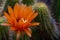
pixel 46 29
pixel 28 2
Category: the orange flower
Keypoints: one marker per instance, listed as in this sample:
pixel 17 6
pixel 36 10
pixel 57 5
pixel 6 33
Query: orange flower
pixel 19 18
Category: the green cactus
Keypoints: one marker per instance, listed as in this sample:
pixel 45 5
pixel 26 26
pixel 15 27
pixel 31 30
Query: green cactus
pixel 47 26
pixel 3 30
pixel 57 8
pixel 3 33
pixel 28 2
pixel 10 3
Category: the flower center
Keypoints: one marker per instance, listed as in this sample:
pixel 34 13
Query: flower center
pixel 24 21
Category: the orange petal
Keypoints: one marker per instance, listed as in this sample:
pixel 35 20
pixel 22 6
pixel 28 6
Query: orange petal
pixel 35 24
pixel 16 10
pixel 8 18
pixel 22 7
pixel 28 32
pixel 12 28
pixel 32 17
pixel 18 35
pixel 5 24
pixel 27 12
pixel 14 21
pixel 10 10
pixel 28 17
pixel 30 8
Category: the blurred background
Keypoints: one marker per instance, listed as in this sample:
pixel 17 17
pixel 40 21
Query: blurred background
pixel 49 17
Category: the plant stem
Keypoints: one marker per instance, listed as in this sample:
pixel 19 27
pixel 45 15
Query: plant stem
pixel 18 35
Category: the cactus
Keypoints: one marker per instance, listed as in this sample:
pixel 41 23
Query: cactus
pixel 57 8
pixel 28 2
pixel 3 30
pixel 47 27
pixel 10 3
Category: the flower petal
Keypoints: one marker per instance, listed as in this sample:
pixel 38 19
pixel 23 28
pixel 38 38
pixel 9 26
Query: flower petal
pixel 12 28
pixel 16 10
pixel 28 32
pixel 8 18
pixel 32 17
pixel 27 12
pixel 28 17
pixel 10 10
pixel 34 24
pixel 5 24
pixel 22 7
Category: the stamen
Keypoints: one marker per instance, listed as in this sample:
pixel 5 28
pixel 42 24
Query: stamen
pixel 23 20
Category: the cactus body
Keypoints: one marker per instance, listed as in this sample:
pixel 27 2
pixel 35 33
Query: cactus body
pixel 47 23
